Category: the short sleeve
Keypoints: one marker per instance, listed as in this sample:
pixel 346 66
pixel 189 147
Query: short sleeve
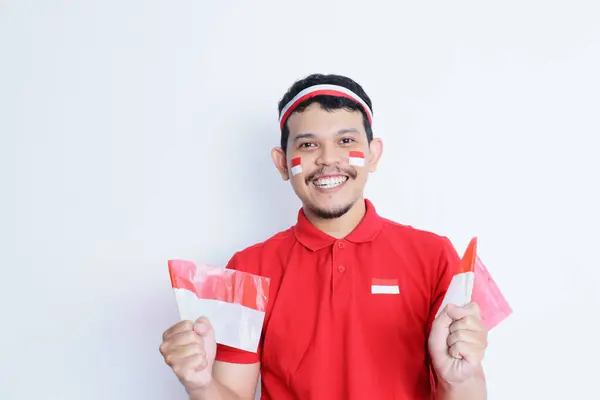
pixel 448 263
pixel 236 356
pixel 231 354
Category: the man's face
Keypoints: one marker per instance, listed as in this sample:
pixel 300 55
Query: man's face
pixel 328 185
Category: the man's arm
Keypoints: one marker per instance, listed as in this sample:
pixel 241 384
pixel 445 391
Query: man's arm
pixel 455 331
pixel 230 382
pixel 473 389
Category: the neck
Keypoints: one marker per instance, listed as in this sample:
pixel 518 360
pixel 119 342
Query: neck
pixel 342 226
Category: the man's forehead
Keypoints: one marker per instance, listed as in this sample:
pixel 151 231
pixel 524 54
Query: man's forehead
pixel 316 120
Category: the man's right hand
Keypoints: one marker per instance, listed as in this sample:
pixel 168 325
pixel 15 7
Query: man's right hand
pixel 189 349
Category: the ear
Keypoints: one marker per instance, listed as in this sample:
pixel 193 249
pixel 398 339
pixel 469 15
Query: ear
pixel 375 151
pixel 280 161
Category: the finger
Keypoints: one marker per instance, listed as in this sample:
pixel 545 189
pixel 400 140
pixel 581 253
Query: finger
pixel 177 353
pixel 443 320
pixel 468 352
pixel 181 326
pixel 458 350
pixel 469 337
pixel 180 339
pixel 184 338
pixel 469 322
pixel 457 313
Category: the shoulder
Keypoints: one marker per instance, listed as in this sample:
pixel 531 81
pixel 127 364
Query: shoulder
pixel 431 250
pixel 251 258
pixel 413 236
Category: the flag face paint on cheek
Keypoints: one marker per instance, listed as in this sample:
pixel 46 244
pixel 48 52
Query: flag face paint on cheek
pixel 357 159
pixel 296 166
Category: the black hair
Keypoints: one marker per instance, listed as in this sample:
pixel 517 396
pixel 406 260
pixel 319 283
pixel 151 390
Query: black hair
pixel 326 102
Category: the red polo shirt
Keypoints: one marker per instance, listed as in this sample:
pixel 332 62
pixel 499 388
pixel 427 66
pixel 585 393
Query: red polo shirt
pixel 347 318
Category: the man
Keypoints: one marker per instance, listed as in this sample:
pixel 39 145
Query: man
pixel 354 296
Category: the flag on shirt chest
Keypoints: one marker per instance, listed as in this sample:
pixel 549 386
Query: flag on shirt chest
pixel 384 286
pixel 233 301
pixel 472 282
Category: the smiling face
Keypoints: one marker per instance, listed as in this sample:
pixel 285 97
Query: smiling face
pixel 330 181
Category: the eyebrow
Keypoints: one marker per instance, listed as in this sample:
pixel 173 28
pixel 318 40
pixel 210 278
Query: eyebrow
pixel 309 135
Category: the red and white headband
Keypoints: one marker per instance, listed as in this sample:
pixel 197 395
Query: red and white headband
pixel 319 90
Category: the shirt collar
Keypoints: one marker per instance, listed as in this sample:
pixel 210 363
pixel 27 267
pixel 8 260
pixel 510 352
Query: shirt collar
pixel 315 239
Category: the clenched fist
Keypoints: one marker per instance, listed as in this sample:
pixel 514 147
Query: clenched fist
pixel 457 343
pixel 189 349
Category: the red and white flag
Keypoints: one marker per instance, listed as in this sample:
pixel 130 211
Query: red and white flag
pixel 493 305
pixel 473 283
pixel 357 159
pixel 233 301
pixel 460 289
pixel 384 286
pixel 296 166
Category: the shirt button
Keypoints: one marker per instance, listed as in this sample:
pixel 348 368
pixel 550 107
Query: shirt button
pixel 341 268
pixel 341 245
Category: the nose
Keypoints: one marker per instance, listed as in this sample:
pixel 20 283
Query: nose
pixel 329 155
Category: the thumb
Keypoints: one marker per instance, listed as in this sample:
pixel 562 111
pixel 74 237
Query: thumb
pixel 456 312
pixel 438 336
pixel 445 318
pixel 203 327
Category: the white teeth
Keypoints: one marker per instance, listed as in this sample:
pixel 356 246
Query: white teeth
pixel 328 183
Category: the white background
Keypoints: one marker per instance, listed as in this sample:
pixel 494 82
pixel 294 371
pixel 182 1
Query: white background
pixel 119 118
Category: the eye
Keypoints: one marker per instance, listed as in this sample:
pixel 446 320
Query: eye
pixel 306 145
pixel 347 140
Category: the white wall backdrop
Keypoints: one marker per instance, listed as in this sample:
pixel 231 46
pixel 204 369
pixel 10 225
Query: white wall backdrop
pixel 137 131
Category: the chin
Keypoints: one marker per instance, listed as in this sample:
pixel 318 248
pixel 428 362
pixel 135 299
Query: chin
pixel 330 211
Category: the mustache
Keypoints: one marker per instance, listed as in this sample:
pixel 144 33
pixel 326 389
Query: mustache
pixel 351 172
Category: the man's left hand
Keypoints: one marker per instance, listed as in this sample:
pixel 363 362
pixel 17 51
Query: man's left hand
pixel 457 343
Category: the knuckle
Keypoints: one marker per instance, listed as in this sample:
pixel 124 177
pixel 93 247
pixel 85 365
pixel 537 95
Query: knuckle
pixel 180 326
pixel 163 348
